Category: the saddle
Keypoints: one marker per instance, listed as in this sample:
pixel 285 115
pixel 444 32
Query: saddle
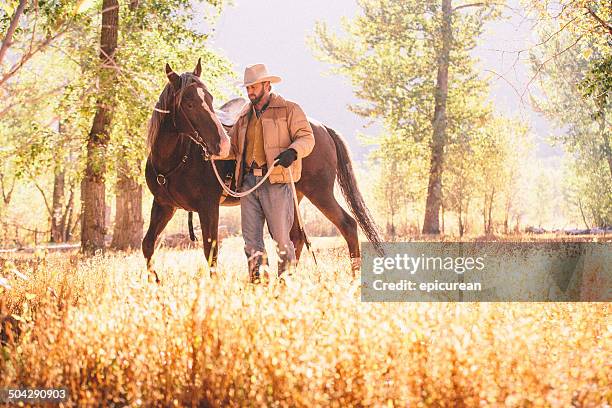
pixel 228 113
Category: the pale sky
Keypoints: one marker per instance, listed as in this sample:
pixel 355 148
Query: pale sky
pixel 274 32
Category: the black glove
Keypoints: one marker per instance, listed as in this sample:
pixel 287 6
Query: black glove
pixel 286 158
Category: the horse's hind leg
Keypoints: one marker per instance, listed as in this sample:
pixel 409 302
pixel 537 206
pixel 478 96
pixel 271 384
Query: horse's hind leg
pixel 160 216
pixel 327 204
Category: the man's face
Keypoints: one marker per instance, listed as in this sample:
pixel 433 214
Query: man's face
pixel 257 92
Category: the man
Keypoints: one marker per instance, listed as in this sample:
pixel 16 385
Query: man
pixel 270 128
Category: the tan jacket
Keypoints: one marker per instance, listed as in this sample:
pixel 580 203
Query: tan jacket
pixel 284 126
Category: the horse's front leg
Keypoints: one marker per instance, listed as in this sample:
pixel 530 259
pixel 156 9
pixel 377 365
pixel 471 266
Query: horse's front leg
pixel 160 216
pixel 209 221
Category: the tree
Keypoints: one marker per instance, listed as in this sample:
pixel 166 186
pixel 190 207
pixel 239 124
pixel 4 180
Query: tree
pixel 520 150
pixel 33 146
pixel 151 35
pixel 499 148
pixel 584 24
pixel 30 28
pixel 460 180
pixel 400 180
pixel 409 61
pixel 128 229
pixel 582 115
pixel 431 223
pixel 93 195
pixel 585 18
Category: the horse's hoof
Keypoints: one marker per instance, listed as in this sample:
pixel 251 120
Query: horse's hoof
pixel 355 266
pixel 153 278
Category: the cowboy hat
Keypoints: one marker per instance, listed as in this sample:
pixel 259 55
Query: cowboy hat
pixel 256 73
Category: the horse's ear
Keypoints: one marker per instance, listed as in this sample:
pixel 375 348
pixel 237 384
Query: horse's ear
pixel 173 77
pixel 198 69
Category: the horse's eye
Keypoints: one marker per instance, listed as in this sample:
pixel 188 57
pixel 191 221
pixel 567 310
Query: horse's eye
pixel 189 105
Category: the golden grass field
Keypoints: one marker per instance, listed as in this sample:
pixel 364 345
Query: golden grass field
pixel 98 328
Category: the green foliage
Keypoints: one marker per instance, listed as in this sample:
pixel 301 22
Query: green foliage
pixel 401 180
pixel 150 36
pixel 488 164
pixel 29 131
pixel 589 20
pixel 582 113
pixel 60 84
pixel 41 20
pixel 390 52
pixel 597 85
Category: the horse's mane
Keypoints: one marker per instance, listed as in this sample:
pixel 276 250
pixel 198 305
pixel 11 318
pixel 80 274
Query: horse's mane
pixel 165 103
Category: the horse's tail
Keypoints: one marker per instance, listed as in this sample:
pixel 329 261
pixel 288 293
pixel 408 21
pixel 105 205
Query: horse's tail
pixel 351 193
pixel 192 236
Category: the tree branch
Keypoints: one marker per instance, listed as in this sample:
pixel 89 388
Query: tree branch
pixel 481 4
pixel 8 38
pixel 25 228
pixel 6 197
pixel 500 76
pixel 53 91
pixel 469 5
pixel 27 56
pixel 35 25
pixel 44 198
pixel 547 61
pixel 600 20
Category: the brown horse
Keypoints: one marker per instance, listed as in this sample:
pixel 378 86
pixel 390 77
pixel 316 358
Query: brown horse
pixel 184 132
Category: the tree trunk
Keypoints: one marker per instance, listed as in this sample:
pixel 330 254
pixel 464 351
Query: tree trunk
pixel 442 226
pixel 13 26
pixel 431 223
pixel 460 218
pixel 57 206
pixel 93 223
pixel 490 212
pixel 507 216
pixel 67 218
pixel 127 233
pixel 484 214
pixel 517 226
pixel 586 224
pixel 466 212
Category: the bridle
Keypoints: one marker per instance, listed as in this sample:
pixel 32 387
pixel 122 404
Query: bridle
pixel 193 135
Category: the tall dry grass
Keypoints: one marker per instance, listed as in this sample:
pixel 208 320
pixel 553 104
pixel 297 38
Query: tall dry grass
pixel 98 328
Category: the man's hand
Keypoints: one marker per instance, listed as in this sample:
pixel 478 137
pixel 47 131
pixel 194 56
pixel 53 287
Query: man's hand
pixel 286 158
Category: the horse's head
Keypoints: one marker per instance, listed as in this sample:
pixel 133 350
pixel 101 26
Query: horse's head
pixel 192 111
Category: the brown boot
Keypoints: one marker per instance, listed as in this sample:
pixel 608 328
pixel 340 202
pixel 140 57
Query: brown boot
pixel 255 263
pixel 286 266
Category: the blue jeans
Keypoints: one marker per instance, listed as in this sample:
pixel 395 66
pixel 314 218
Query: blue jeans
pixel 272 203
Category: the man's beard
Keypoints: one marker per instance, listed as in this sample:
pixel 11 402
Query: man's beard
pixel 257 99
